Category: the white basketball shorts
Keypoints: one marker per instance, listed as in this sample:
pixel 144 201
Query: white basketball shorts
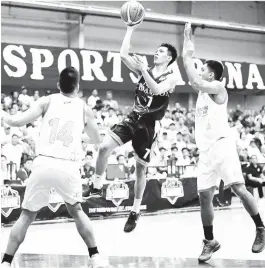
pixel 47 172
pixel 220 161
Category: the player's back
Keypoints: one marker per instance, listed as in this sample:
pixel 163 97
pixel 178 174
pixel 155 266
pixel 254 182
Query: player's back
pixel 211 121
pixel 62 127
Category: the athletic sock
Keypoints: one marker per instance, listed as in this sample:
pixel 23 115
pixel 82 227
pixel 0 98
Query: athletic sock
pixel 208 232
pixel 97 181
pixel 92 251
pixel 257 220
pixel 7 258
pixel 136 205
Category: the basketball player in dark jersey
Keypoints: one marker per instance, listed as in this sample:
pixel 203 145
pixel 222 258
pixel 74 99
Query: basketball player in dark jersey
pixel 150 103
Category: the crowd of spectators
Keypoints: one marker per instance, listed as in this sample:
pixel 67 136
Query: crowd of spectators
pixel 175 143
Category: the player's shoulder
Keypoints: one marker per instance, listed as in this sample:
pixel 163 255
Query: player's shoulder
pixel 218 84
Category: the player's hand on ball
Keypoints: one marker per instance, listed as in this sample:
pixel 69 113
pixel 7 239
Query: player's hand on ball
pixel 139 62
pixel 188 46
pixel 134 26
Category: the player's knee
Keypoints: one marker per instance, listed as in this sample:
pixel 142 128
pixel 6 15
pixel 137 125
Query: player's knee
pixel 205 198
pixel 239 189
pixel 140 169
pixel 74 210
pixel 104 149
pixel 28 217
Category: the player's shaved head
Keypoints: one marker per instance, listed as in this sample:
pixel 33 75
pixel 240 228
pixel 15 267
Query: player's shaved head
pixel 216 67
pixel 69 80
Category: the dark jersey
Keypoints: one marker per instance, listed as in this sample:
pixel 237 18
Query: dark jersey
pixel 146 103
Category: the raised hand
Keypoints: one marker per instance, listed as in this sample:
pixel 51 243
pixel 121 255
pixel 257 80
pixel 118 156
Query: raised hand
pixel 188 46
pixel 139 62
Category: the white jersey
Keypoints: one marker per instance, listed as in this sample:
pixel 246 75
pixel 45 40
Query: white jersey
pixel 211 121
pixel 62 127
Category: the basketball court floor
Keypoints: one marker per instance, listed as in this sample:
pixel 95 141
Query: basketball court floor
pixel 166 241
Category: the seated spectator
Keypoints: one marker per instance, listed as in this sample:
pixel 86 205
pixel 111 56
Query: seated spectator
pixel 92 100
pixel 254 176
pixel 179 141
pixel 88 170
pixel 254 150
pixel 164 142
pixel 24 172
pixel 120 117
pixel 181 127
pixel 36 95
pixel 171 133
pixel 111 119
pixel 185 159
pixel 13 151
pixel 110 102
pixel 166 120
pixel 161 160
pixel 24 98
pixel 174 156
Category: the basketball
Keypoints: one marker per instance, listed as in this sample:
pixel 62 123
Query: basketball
pixel 132 12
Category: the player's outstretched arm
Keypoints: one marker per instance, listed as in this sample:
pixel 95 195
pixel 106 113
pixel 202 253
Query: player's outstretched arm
pixel 91 128
pixel 34 112
pixel 214 87
pixel 124 51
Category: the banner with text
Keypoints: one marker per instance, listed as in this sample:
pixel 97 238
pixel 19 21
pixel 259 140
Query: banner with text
pixel 38 68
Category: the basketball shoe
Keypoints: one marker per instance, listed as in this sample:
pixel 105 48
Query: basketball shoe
pixel 131 222
pixel 209 247
pixel 98 262
pixel 5 265
pixel 259 243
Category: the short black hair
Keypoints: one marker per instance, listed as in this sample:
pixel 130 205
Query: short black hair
pixel 216 67
pixel 69 79
pixel 172 50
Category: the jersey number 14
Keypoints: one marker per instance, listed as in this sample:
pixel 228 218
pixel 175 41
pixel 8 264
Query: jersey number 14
pixel 64 134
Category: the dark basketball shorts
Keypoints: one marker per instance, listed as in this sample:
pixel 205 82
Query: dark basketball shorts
pixel 141 131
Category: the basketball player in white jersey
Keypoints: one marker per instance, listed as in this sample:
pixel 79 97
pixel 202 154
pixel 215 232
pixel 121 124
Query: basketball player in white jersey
pixel 57 165
pixel 218 155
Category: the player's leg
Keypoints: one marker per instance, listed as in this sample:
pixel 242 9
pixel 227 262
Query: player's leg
pixel 68 184
pixel 85 229
pixel 142 142
pixel 36 196
pixel 231 172
pixel 17 235
pixel 118 135
pixel 207 182
pixel 207 216
pixel 250 205
pixel 139 187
